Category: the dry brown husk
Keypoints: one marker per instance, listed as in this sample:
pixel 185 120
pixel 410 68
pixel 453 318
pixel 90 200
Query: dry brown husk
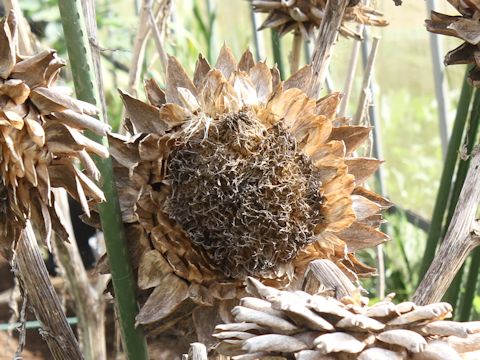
pixel 41 141
pixel 296 325
pixel 466 27
pixel 304 16
pixel 193 237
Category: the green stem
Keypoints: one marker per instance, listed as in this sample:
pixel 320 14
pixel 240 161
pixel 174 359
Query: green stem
pixel 277 53
pixel 122 275
pixel 441 201
pixel 470 287
pixel 453 292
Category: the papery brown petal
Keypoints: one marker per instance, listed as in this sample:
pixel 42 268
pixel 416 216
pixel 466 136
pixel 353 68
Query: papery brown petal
pixel 145 117
pixel 370 195
pixel 261 77
pixel 226 62
pixel 364 208
pixel 299 80
pixel 328 105
pixel 177 77
pixel 217 95
pixel 246 61
pixel 151 269
pixel 156 96
pixel 165 300
pixel 359 236
pixel 353 136
pixel 8 34
pixel 202 67
pixel 362 168
pixel 16 90
pixel 36 132
pixel 39 69
pixel 60 139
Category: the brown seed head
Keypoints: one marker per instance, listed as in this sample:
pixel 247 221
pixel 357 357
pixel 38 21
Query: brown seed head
pixel 245 194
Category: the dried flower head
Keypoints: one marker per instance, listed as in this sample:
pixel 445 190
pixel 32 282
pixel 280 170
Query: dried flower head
pixel 237 173
pixel 305 15
pixel 465 27
pixel 40 141
pixel 274 324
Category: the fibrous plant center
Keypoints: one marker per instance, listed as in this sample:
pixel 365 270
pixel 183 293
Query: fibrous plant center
pixel 245 194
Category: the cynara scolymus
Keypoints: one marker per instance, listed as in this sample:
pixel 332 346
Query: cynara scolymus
pixel 305 15
pixel 41 141
pixel 236 173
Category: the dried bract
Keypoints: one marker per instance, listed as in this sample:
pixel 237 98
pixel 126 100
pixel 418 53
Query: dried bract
pixel 367 336
pixel 466 27
pixel 305 15
pixel 41 141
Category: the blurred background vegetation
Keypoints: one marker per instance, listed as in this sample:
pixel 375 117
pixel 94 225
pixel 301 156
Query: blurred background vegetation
pixel 404 94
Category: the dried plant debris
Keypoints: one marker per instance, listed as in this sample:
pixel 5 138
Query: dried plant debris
pixel 235 173
pixel 41 141
pixel 305 15
pixel 466 27
pixel 297 325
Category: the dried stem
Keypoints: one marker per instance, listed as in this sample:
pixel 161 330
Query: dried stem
pixel 462 237
pixel 157 33
pixel 367 77
pixel 36 286
pixel 138 53
pixel 327 35
pixel 89 304
pixel 352 66
pixel 88 7
pixel 296 52
pixel 110 213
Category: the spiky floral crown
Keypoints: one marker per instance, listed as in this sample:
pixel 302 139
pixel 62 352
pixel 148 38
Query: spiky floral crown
pixel 237 173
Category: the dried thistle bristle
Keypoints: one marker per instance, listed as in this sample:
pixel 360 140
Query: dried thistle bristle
pixel 245 194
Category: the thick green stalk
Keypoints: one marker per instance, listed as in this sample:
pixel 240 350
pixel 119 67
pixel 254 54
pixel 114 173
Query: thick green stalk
pixel 277 53
pixel 122 275
pixel 441 201
pixel 465 308
pixel 453 292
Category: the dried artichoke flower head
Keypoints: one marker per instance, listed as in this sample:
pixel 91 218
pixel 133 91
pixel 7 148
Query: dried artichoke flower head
pixel 466 27
pixel 40 141
pixel 270 323
pixel 305 15
pixel 237 173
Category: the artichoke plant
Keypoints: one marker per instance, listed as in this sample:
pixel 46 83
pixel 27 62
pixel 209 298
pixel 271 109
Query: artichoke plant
pixel 236 173
pixel 304 16
pixel 466 27
pixel 41 141
pixel 275 324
